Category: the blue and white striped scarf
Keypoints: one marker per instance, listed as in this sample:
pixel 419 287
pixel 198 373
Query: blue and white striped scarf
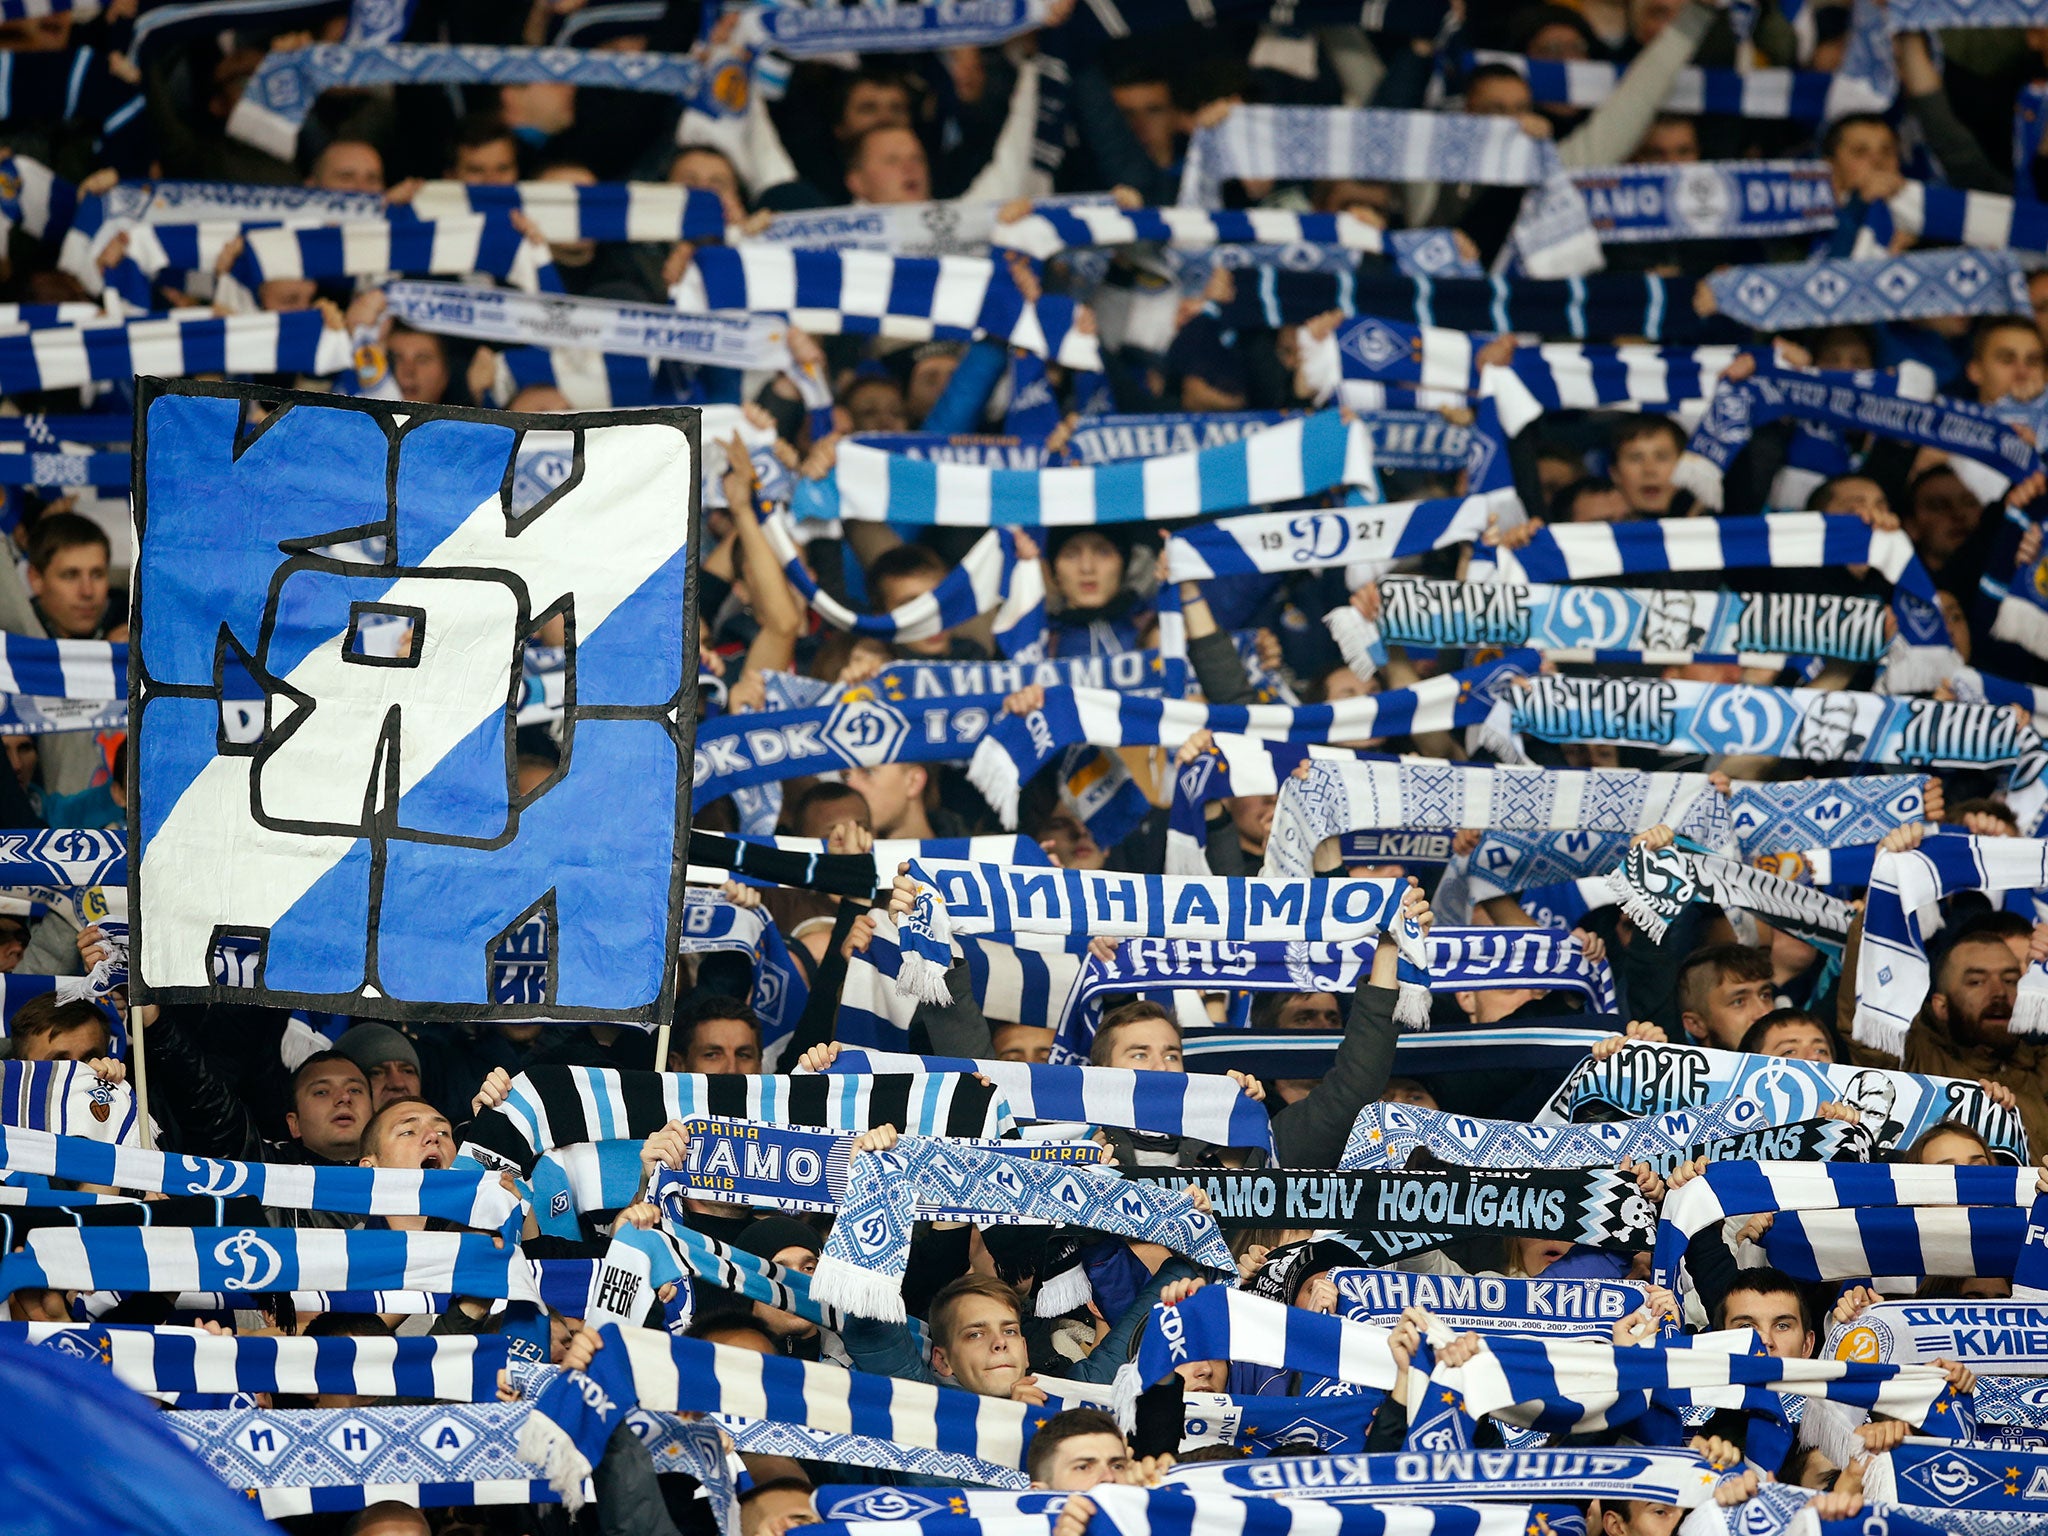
pixel 1047 230
pixel 689 1375
pixel 1485 1303
pixel 1986 221
pixel 1643 1079
pixel 1335 797
pixel 1028 979
pixel 279 96
pixel 68 1098
pixel 1903 912
pixel 989 576
pixel 1907 1243
pixel 1297 458
pixel 466 1199
pixel 1803 724
pixel 1239 765
pixel 551 1107
pixel 295 341
pixel 455 1368
pixel 1283 542
pixel 271 1258
pixel 1016 747
pixel 458 243
pixel 1919 285
pixel 1797 95
pixel 1203 1105
pixel 1743 1189
pixel 873 293
pixel 563 211
pixel 737 751
pixel 1385 1134
pixel 134 208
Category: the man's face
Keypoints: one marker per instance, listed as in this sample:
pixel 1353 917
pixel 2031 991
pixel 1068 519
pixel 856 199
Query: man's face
pixel 13 941
pixel 873 104
pixel 1866 150
pixel 787 1324
pixel 1068 839
pixel 986 1354
pixel 72 590
pixel 1642 472
pixel 330 1109
pixel 1635 1518
pixel 709 172
pixel 1205 1375
pixel 349 166
pixel 1088 570
pixel 723 1045
pixel 1406 1091
pixel 1022 1042
pixel 891 169
pixel 772 1504
pixel 1944 516
pixel 895 591
pixel 1600 506
pixel 1669 143
pixel 1500 97
pixel 1087 1461
pixel 1148 112
pixel 1311 1010
pixel 1797 1040
pixel 1732 1006
pixel 876 405
pixel 1148 1045
pixel 1252 815
pixel 415 1136
pixel 279 295
pixel 893 791
pixel 81 1042
pixel 1855 494
pixel 21 757
pixel 394 1079
pixel 1775 1317
pixel 1979 980
pixel 491 164
pixel 2009 366
pixel 419 365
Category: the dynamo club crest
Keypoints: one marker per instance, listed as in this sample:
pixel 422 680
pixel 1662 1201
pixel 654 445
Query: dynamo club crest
pixel 373 573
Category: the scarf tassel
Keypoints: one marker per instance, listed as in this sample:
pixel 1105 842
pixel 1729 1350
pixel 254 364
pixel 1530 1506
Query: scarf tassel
pixel 547 1445
pixel 926 938
pixel 992 772
pixel 1636 902
pixel 2021 623
pixel 1356 638
pixel 1923 668
pixel 1061 1292
pixel 2030 1004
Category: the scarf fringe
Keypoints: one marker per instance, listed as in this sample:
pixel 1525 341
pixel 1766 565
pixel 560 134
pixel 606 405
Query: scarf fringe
pixel 1496 734
pixel 862 1292
pixel 992 772
pixel 1355 637
pixel 2021 623
pixel 1641 911
pixel 1922 668
pixel 1412 1006
pixel 545 1444
pixel 1061 1293
pixel 2030 1005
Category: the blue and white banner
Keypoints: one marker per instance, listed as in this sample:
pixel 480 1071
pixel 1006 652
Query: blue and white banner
pixel 804 32
pixel 380 863
pixel 1485 1303
pixel 2005 1338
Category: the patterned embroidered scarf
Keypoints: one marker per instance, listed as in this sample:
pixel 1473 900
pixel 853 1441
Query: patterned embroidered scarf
pixel 1338 797
pixel 1919 285
pixel 1386 1135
